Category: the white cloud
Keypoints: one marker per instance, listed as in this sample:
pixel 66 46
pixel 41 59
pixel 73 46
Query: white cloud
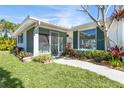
pixel 67 16
pixel 6 16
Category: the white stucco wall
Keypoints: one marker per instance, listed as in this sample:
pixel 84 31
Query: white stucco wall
pixel 70 38
pixel 122 33
pixel 116 33
pixel 24 44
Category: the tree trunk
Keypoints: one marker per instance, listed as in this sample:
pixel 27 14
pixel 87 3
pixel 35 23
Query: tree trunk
pixel 107 42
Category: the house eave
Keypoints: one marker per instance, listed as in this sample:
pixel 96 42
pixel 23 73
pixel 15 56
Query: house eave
pixel 30 20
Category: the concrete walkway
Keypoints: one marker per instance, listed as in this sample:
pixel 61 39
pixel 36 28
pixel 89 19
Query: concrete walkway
pixel 102 70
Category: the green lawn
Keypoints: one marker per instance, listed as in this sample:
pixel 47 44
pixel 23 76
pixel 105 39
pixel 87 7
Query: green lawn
pixel 14 73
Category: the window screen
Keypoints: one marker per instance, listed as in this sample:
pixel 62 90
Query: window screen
pixel 20 38
pixel 44 43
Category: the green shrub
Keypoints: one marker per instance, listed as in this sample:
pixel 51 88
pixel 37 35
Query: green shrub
pixel 23 54
pixel 97 55
pixel 16 50
pixel 88 54
pixel 83 54
pixel 79 54
pixel 7 44
pixel 43 58
pixel 116 63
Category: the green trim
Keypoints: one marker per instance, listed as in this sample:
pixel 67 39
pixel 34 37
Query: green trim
pixel 43 31
pixel 30 40
pixel 75 39
pixel 100 39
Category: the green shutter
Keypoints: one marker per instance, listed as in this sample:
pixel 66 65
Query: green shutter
pixel 100 39
pixel 75 39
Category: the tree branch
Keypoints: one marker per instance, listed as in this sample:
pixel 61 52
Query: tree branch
pixel 112 20
pixel 102 9
pixel 90 15
pixel 98 14
pixel 107 9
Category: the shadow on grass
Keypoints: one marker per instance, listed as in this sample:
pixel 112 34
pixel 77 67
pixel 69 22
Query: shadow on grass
pixel 6 81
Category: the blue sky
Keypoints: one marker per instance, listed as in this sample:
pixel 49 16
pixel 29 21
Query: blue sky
pixel 65 15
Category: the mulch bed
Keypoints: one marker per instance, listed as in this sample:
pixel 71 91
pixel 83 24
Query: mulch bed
pixel 102 63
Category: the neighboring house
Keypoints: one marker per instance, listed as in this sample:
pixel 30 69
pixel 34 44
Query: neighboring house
pixel 37 36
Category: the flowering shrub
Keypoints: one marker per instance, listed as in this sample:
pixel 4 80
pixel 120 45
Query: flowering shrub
pixel 117 52
pixel 7 43
pixel 118 14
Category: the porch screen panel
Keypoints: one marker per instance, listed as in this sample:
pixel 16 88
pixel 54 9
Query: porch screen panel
pixel 88 39
pixel 54 43
pixel 62 41
pixel 44 43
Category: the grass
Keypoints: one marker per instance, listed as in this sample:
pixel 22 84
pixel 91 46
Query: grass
pixel 14 73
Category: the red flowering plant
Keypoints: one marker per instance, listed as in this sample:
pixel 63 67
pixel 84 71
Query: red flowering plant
pixel 117 52
pixel 118 14
pixel 68 50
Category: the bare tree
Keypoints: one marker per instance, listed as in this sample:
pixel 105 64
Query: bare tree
pixel 100 19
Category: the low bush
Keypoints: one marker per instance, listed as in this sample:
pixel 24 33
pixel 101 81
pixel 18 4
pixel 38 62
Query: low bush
pixel 116 63
pixel 20 53
pixel 79 54
pixel 43 58
pixel 97 55
pixel 23 54
pixel 16 50
pixel 7 43
pixel 88 54
pixel 118 52
pixel 70 52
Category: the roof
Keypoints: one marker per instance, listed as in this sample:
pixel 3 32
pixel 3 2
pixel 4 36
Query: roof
pixel 30 20
pixel 86 26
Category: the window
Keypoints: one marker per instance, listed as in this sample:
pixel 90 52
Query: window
pixel 44 43
pixel 20 38
pixel 88 39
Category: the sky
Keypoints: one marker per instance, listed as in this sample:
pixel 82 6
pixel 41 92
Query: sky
pixel 64 15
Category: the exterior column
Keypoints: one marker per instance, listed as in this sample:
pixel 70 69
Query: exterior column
pixel 36 41
pixel 25 40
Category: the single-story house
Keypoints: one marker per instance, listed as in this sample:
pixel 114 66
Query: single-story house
pixel 38 36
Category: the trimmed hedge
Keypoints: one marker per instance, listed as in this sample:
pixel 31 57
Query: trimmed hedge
pixel 7 43
pixel 97 55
